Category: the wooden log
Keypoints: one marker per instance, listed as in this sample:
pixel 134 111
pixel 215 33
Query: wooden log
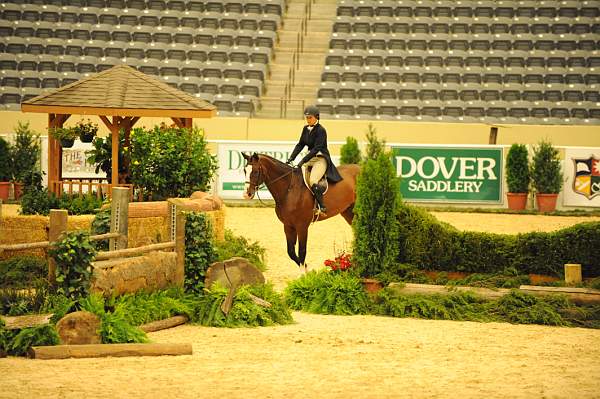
pixel 104 236
pixel 123 253
pixel 580 296
pixel 108 350
pixel 18 322
pixel 164 324
pixel 432 289
pixel 260 301
pixel 25 245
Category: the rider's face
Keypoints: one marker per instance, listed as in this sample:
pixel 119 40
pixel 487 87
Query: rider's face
pixel 311 120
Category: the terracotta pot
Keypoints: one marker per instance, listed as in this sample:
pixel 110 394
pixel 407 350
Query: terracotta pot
pixel 371 285
pixel 18 190
pixel 4 187
pixel 517 201
pixel 546 202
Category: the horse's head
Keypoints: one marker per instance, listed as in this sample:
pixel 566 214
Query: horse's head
pixel 254 175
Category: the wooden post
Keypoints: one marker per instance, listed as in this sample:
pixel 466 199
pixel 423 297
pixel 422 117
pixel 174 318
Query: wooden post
pixel 106 350
pixel 118 217
pixel 493 134
pixel 180 245
pixel 58 225
pixel 572 273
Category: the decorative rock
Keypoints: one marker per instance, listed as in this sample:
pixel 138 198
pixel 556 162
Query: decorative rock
pixel 79 328
pixel 232 274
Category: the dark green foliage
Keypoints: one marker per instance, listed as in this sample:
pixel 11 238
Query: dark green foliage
pixel 141 307
pixel 546 171
pixel 515 307
pixel 233 246
pixel 101 225
pixel 327 293
pixel 5 160
pixel 244 312
pixel 429 244
pixel 375 224
pixel 199 250
pixel 22 271
pixel 509 278
pixel 350 153
pixel 375 146
pixel 521 308
pixel 114 325
pixel 517 169
pixel 17 342
pixel 73 255
pixel 101 155
pixel 456 306
pixel 25 152
pixel 40 201
pixel 171 162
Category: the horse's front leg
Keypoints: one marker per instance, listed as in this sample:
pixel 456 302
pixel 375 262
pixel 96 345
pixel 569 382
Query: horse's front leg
pixel 291 236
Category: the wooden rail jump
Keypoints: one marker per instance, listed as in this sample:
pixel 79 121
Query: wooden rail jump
pixel 117 236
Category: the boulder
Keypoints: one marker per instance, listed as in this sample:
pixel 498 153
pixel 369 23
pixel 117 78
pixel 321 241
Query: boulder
pixel 79 328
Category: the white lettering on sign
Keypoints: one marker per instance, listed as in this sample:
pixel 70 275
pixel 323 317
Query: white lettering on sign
pixel 469 168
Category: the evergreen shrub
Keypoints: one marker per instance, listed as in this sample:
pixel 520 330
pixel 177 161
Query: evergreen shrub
pixel 546 171
pixel 375 223
pixel 350 153
pixel 517 169
pixel 431 245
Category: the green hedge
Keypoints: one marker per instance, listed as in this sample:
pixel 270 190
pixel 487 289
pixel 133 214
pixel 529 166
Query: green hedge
pixel 432 245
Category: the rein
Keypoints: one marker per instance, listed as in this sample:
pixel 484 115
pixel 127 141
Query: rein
pixel 260 174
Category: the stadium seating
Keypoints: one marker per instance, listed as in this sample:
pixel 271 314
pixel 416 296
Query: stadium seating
pixel 495 61
pixel 227 41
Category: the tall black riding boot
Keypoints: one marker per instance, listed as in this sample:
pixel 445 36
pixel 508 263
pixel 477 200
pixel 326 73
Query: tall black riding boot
pixel 318 193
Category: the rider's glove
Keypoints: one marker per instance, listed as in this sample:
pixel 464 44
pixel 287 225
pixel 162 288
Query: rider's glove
pixel 289 161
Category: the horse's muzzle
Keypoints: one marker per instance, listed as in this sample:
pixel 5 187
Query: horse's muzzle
pixel 248 196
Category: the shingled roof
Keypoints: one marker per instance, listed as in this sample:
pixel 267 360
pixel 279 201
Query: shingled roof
pixel 123 91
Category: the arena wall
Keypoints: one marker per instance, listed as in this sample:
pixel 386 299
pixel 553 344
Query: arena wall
pixel 338 130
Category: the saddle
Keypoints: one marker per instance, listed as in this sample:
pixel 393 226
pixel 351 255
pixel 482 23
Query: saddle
pixel 306 177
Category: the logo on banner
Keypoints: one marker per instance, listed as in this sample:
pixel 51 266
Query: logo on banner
pixel 587 176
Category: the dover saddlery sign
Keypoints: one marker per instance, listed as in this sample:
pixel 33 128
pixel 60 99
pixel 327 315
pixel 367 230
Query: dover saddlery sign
pixel 452 174
pixel 230 180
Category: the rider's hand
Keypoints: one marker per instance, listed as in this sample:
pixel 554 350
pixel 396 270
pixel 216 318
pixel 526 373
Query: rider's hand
pixel 300 164
pixel 289 162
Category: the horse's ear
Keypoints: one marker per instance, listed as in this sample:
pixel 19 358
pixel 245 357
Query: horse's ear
pixel 255 157
pixel 246 156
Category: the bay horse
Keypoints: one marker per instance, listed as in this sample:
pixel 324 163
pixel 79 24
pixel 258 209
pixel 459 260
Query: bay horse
pixel 294 203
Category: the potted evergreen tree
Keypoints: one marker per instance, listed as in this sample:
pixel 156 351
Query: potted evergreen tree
pixel 350 153
pixel 25 156
pixel 546 174
pixel 517 176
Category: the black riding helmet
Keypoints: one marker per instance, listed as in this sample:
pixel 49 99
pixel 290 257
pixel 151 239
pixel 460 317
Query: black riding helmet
pixel 311 110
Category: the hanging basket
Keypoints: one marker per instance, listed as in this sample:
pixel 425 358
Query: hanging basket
pixel 86 138
pixel 67 143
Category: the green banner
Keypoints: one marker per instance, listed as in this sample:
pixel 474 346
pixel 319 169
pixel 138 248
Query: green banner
pixel 453 174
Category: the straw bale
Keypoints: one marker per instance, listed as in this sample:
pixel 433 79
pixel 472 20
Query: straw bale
pixel 147 230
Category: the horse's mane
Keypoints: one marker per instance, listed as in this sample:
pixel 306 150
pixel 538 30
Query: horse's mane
pixel 277 161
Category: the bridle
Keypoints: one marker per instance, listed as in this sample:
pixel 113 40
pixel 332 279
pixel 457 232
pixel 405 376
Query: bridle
pixel 257 186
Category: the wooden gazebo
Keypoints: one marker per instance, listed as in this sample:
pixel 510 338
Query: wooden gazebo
pixel 119 96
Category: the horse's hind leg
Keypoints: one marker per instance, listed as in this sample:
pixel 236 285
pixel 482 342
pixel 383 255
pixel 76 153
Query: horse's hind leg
pixel 348 214
pixel 302 239
pixel 290 236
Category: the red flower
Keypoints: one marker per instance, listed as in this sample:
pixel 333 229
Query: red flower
pixel 341 262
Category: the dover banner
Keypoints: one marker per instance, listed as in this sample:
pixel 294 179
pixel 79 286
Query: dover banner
pixel 582 172
pixel 450 174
